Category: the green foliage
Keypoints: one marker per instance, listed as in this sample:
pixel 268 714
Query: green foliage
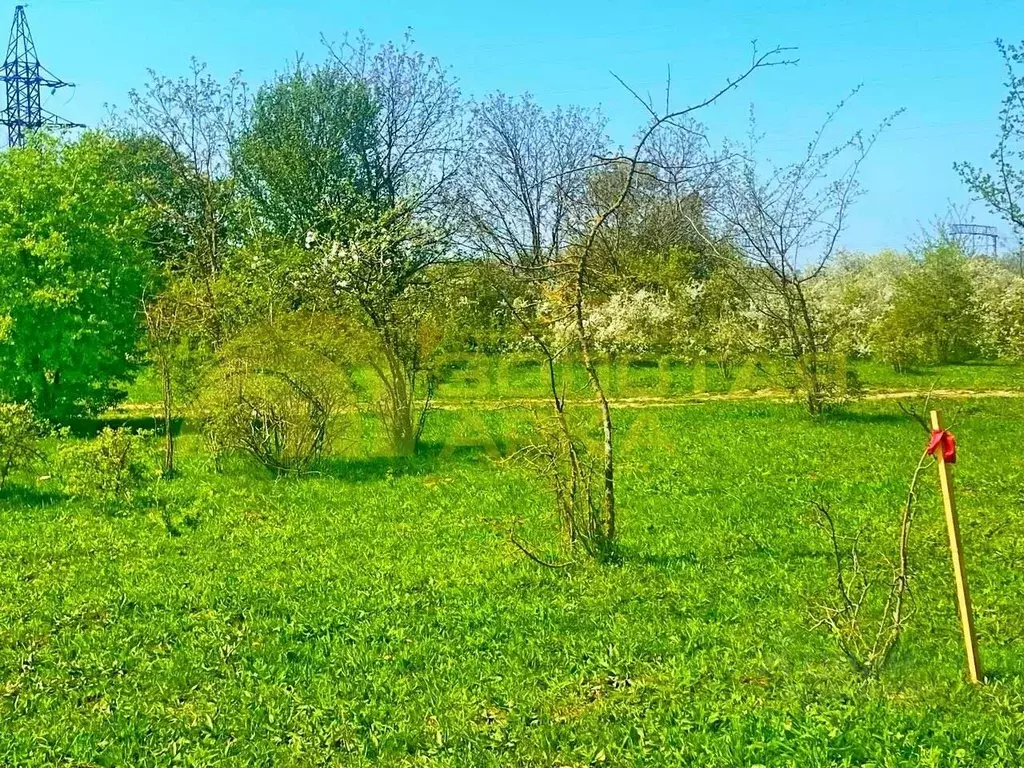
pixel 896 337
pixel 469 306
pixel 73 268
pixel 175 139
pixel 155 174
pixel 303 157
pixel 115 470
pixel 385 277
pixel 999 300
pixel 177 341
pixel 935 306
pixel 19 439
pixel 353 159
pixel 375 613
pixel 720 326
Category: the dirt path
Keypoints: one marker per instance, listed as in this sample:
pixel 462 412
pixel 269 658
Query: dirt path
pixel 769 395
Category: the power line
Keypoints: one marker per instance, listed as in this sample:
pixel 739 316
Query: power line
pixel 25 78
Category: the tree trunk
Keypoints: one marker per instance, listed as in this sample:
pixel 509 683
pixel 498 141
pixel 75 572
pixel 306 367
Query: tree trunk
pixel 568 503
pixel 606 414
pixel 609 467
pixel 399 403
pixel 812 379
pixel 403 435
pixel 807 348
pixel 168 407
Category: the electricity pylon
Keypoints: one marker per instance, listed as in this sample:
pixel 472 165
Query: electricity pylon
pixel 25 78
pixel 973 233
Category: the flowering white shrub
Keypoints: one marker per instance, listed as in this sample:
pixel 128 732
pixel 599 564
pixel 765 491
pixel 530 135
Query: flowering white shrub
pixel 858 295
pixel 632 321
pixel 719 324
pixel 628 321
pixel 900 308
pixel 999 303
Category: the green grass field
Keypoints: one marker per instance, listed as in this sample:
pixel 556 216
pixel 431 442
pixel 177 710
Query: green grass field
pixel 375 613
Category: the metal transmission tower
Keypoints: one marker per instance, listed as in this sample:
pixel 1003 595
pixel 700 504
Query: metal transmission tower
pixel 25 78
pixel 972 233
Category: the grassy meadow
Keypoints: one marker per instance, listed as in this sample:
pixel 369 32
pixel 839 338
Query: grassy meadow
pixel 376 613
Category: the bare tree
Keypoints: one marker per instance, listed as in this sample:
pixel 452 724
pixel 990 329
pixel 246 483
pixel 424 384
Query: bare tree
pixel 786 226
pixel 418 147
pixel 177 135
pixel 193 120
pixel 1003 189
pixel 527 189
pixel 567 263
pixel 650 241
pixel 526 185
pixel 868 642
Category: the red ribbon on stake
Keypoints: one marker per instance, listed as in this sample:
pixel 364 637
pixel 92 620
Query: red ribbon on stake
pixel 943 438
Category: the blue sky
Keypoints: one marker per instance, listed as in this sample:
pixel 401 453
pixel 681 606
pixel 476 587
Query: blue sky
pixel 935 59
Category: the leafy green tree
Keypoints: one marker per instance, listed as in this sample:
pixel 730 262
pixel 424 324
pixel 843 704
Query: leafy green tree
pixel 73 269
pixel 302 158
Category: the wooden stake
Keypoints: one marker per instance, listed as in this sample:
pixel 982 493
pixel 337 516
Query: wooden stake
pixel 963 594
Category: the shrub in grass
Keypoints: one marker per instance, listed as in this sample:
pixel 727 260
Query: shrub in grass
pixel 283 430
pixel 276 394
pixel 114 470
pixel 19 437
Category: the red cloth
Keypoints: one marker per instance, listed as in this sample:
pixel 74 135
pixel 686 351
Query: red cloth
pixel 945 440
